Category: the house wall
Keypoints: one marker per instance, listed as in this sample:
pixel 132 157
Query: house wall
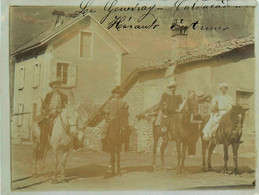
pixel 96 76
pixel 142 95
pixel 28 95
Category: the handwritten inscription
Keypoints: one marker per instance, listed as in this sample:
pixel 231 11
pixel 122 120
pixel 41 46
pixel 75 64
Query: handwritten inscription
pixel 84 8
pixel 180 26
pixel 147 19
pixel 112 9
pixel 121 22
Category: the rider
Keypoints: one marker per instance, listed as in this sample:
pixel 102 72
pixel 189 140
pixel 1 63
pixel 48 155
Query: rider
pixel 221 104
pixel 166 115
pixel 113 109
pixel 53 103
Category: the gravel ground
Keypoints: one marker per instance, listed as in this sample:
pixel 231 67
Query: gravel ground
pixel 86 170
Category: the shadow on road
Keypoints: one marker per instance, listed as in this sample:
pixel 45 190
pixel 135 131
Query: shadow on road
pixel 138 169
pixel 218 169
pixel 86 171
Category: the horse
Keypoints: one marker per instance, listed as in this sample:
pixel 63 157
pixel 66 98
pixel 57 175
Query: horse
pixel 228 133
pixel 64 130
pixel 117 134
pixel 182 128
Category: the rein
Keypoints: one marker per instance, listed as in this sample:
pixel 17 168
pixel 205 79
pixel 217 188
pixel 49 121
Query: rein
pixel 66 126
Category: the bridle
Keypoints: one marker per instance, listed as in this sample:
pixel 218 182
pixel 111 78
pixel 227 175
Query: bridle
pixel 67 126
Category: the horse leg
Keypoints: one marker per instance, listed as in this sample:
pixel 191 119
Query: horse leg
pixel 35 150
pixel 154 152
pixel 225 158
pixel 44 158
pixel 113 158
pixel 178 147
pixel 210 150
pixel 162 151
pixel 118 158
pixel 203 149
pixel 183 156
pixel 235 147
pixel 64 161
pixel 55 153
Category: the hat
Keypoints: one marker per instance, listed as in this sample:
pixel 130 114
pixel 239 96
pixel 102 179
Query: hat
pixel 116 90
pixel 223 85
pixel 56 82
pixel 172 84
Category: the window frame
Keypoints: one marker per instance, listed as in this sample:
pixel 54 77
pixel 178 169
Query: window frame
pixel 91 47
pixel 63 62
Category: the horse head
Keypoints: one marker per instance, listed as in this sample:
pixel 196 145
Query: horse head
pixel 192 103
pixel 237 115
pixel 70 117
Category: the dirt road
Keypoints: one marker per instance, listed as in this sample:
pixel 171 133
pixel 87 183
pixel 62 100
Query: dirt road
pixel 86 171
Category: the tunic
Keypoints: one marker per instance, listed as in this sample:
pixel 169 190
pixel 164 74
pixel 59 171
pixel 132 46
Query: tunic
pixel 224 104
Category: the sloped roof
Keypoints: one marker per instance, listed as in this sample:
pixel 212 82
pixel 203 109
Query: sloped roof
pixel 45 36
pixel 185 56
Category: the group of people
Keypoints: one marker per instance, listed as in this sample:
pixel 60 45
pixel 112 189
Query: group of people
pixel 55 101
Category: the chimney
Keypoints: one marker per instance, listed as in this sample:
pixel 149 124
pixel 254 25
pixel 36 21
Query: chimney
pixel 58 18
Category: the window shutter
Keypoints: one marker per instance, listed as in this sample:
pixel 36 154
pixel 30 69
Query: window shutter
pixel 21 77
pixel 36 76
pixel 20 114
pixel 72 76
pixel 53 72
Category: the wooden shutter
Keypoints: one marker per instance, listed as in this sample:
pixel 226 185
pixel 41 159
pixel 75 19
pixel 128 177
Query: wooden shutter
pixel 72 75
pixel 36 75
pixel 53 72
pixel 21 77
pixel 20 114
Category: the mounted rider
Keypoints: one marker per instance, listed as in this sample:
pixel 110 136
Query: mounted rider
pixel 221 104
pixel 168 107
pixel 52 105
pixel 115 108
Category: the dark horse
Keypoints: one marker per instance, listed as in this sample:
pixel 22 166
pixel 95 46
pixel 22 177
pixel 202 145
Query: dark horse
pixel 182 127
pixel 228 133
pixel 118 132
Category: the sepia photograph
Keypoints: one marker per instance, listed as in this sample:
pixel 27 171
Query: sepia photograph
pixel 117 97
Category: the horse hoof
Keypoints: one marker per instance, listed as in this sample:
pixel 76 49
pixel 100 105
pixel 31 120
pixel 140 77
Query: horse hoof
pixel 64 180
pixel 35 175
pixel 225 172
pixel 154 168
pixel 54 181
pixel 236 171
pixel 178 172
pixel 210 167
pixel 203 168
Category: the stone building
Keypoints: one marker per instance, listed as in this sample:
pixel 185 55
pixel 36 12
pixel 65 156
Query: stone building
pixel 76 49
pixel 200 69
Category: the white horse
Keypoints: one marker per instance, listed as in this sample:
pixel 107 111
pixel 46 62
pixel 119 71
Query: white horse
pixel 64 130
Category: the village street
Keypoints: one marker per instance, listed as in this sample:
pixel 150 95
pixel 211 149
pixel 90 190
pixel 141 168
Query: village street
pixel 86 170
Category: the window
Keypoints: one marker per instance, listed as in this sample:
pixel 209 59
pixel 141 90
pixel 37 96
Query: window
pixel 36 75
pixel 21 77
pixel 62 71
pixel 85 44
pixel 66 72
